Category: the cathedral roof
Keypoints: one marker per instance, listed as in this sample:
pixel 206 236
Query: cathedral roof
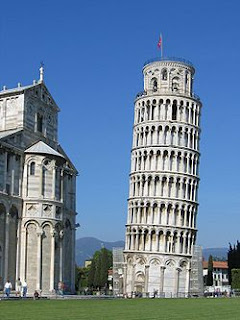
pixel 4 134
pixel 18 89
pixel 43 148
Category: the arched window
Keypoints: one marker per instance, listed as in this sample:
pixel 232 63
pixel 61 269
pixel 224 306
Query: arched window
pixel 175 84
pixel 164 74
pixel 154 84
pixel 174 110
pixel 39 123
pixel 32 169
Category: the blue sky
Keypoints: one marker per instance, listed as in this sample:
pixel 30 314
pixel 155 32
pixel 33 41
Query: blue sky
pixel 93 53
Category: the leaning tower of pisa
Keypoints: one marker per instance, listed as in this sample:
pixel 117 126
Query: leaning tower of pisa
pixel 162 205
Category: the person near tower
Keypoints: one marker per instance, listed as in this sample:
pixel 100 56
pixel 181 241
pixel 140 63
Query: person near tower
pixel 18 287
pixel 7 288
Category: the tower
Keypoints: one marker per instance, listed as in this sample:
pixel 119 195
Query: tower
pixel 162 205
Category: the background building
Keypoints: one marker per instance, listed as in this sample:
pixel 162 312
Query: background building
pixel 220 276
pixel 37 192
pixel 162 206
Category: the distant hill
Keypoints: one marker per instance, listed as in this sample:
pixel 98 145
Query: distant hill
pixel 220 253
pixel 85 248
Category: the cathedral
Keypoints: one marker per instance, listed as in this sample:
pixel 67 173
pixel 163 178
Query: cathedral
pixel 162 206
pixel 37 192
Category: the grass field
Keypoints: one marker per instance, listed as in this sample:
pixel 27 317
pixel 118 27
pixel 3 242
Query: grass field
pixel 135 309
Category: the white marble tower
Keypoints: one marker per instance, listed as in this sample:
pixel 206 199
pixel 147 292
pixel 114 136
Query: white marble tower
pixel 162 205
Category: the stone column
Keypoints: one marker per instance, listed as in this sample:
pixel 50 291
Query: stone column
pixel 13 174
pixel 193 191
pixel 39 260
pixel 146 278
pixel 176 284
pixel 190 195
pixel 189 244
pixel 127 240
pixel 130 244
pixel 62 186
pixel 22 265
pixel 187 164
pixel 164 242
pixel 20 175
pixel 5 173
pixel 184 244
pixel 6 248
pixel 18 251
pixel 187 283
pixel 189 114
pixel 25 181
pixel 178 244
pixel 61 256
pixel 181 193
pixel 193 219
pixel 52 265
pixel 171 243
pixel 124 279
pixel 54 183
pixel 133 277
pixel 185 218
pixel 41 192
pixel 158 241
pixel 161 287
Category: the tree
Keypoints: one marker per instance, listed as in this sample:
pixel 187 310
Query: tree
pixel 233 259
pixel 210 271
pixel 235 278
pixel 106 264
pixel 91 274
pixel 81 278
pixel 98 273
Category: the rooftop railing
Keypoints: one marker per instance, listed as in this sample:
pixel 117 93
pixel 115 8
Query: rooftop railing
pixel 173 59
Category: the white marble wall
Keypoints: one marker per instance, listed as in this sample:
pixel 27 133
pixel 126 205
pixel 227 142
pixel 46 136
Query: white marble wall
pixel 37 194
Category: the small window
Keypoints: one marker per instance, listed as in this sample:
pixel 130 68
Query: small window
pixel 8 162
pixel 174 111
pixel 32 169
pixel 39 123
pixel 154 84
pixel 175 84
pixel 46 162
pixel 164 74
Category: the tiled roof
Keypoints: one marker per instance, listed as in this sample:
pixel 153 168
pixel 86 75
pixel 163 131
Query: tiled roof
pixel 216 264
pixel 42 148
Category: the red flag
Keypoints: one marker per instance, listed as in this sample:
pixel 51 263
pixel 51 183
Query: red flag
pixel 159 42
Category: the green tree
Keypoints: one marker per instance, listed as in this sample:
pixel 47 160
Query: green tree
pixel 233 259
pixel 97 258
pixel 106 264
pixel 91 274
pixel 81 278
pixel 98 273
pixel 210 271
pixel 235 278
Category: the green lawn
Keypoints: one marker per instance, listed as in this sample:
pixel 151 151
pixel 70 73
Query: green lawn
pixel 132 309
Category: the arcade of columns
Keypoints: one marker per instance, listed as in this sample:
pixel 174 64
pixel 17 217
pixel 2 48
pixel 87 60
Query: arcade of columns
pixel 162 204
